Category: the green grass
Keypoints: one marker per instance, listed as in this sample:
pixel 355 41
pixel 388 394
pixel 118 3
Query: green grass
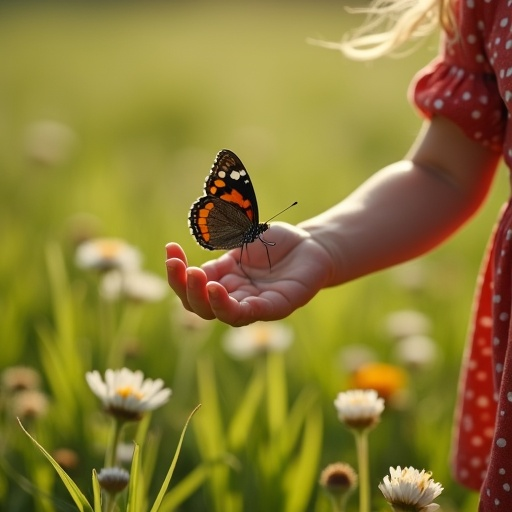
pixel 152 91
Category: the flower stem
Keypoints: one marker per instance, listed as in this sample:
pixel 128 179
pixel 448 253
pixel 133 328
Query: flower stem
pixel 364 470
pixel 111 461
pixel 110 502
pixel 338 504
pixel 111 455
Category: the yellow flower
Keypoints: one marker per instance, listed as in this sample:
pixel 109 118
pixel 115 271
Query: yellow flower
pixel 386 379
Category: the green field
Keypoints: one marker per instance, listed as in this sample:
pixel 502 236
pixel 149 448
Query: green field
pixel 110 116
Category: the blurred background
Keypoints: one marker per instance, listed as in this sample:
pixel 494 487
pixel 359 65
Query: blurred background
pixel 111 114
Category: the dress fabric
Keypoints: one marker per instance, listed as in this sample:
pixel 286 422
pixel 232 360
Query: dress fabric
pixel 470 83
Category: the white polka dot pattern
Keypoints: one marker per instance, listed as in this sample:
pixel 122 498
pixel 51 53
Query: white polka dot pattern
pixel 483 446
pixel 470 83
pixel 477 409
pixel 498 480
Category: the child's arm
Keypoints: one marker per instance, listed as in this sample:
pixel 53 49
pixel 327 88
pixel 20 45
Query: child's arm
pixel 408 207
pixel 401 212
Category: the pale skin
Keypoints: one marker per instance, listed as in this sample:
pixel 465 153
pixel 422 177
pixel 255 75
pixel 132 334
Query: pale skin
pixel 401 212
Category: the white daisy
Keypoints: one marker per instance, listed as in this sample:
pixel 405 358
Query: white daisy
pixel 106 254
pixel 407 322
pixel 358 408
pixel 126 394
pixel 260 337
pixel 410 490
pixel 136 285
pixel 417 351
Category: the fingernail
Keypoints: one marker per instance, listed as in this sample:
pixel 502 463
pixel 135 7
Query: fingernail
pixel 191 280
pixel 213 293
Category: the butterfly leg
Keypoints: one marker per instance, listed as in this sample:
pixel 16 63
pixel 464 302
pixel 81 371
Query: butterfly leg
pixel 266 243
pixel 244 246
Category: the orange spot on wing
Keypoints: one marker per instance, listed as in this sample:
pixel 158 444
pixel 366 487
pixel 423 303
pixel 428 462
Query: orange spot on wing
pixel 234 197
pixel 237 198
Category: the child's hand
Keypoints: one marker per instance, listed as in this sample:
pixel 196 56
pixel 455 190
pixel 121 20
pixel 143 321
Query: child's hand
pixel 242 295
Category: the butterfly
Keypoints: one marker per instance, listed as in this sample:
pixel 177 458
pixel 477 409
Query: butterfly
pixel 226 216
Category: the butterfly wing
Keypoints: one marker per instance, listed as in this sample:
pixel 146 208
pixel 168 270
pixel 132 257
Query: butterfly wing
pixel 227 215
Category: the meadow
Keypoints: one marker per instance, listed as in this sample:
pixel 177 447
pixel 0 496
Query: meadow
pixel 111 114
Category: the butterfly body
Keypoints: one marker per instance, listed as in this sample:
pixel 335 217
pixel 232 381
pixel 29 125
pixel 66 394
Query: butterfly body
pixel 226 216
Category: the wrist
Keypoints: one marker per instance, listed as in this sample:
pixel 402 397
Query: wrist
pixel 325 235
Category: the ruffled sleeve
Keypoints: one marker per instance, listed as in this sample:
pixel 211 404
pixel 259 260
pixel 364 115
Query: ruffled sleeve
pixel 469 99
pixel 461 85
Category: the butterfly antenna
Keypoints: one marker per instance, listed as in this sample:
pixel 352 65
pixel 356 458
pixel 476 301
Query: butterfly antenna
pixel 282 211
pixel 266 243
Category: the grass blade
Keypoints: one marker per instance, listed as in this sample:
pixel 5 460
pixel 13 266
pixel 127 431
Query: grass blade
pixel 133 494
pixel 96 489
pixel 168 477
pixel 302 475
pixel 76 494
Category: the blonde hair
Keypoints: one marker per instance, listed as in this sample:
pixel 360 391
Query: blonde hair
pixel 392 23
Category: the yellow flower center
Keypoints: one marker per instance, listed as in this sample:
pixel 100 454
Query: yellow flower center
pixel 261 337
pixel 109 249
pixel 128 391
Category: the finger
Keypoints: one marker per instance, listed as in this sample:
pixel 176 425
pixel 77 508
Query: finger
pixel 174 250
pixel 224 307
pixel 177 279
pixel 225 265
pixel 239 312
pixel 268 306
pixel 197 295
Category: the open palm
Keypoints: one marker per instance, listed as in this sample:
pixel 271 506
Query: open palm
pixel 241 294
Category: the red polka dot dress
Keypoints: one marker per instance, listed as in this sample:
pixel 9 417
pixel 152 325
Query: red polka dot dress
pixel 470 83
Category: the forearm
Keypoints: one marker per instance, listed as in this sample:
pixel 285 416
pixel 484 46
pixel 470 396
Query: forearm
pixel 409 207
pixel 398 214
